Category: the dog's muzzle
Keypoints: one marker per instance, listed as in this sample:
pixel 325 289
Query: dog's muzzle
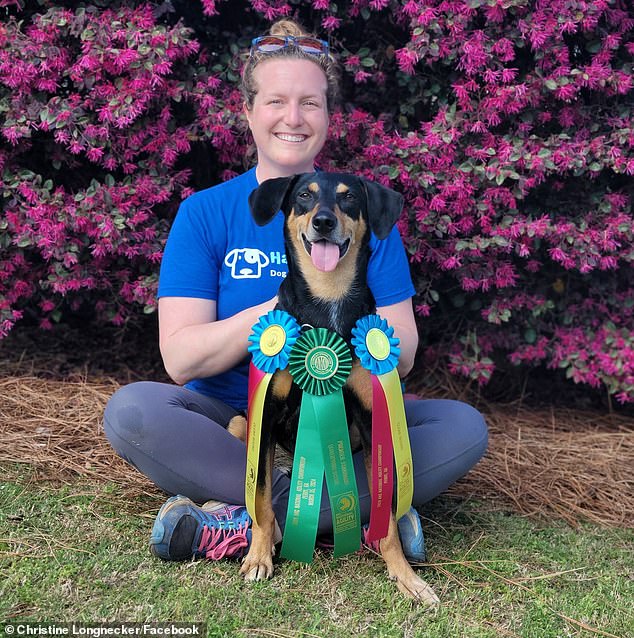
pixel 323 245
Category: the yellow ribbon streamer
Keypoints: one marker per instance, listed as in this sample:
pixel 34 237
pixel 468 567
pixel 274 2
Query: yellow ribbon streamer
pixel 254 434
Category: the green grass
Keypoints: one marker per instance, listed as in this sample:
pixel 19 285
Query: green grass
pixel 76 553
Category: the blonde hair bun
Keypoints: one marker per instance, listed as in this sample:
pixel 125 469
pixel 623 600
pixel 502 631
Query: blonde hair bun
pixel 287 27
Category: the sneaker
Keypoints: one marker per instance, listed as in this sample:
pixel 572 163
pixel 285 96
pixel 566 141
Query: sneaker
pixel 410 531
pixel 183 531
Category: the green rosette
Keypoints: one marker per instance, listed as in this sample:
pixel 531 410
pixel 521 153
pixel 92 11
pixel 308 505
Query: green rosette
pixel 320 362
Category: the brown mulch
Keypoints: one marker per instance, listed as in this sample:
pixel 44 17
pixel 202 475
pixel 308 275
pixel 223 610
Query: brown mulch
pixel 574 465
pixel 55 428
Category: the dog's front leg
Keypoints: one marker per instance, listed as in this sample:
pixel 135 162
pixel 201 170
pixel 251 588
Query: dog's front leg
pixel 258 563
pixel 398 569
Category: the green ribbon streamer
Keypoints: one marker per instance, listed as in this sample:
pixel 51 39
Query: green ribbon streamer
pixel 304 499
pixel 323 446
pixel 330 414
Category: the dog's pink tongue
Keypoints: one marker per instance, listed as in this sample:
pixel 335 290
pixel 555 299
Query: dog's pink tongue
pixel 325 255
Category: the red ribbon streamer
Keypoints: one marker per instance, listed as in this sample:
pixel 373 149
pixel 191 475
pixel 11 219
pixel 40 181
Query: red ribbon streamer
pixel 382 486
pixel 255 377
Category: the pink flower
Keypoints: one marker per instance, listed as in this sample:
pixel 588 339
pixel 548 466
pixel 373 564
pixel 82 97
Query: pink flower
pixel 423 310
pixel 406 60
pixel 94 154
pixel 361 76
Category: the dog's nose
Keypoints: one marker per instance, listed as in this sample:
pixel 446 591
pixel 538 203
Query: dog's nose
pixel 324 221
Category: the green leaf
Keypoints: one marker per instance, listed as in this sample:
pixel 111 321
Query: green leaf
pixel 530 336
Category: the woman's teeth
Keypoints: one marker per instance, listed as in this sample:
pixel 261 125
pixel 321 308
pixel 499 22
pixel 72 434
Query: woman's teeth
pixel 290 138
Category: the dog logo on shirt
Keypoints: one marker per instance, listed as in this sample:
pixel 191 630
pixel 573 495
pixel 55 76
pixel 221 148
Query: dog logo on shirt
pixel 246 263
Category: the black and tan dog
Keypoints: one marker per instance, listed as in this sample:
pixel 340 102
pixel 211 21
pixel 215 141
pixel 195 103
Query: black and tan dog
pixel 328 219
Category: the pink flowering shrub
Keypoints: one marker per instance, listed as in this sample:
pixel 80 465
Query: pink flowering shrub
pixel 506 124
pixel 97 108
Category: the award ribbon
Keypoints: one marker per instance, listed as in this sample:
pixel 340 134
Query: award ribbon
pixel 378 351
pixel 271 341
pixel 304 499
pixel 382 479
pixel 320 363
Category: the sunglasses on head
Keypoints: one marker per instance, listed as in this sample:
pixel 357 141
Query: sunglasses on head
pixel 273 43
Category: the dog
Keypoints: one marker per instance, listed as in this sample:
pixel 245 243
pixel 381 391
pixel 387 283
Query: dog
pixel 328 221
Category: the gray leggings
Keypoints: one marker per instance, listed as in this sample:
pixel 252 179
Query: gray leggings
pixel 178 439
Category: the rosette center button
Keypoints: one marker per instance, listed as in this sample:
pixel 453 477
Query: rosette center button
pixel 321 363
pixel 273 340
pixel 378 344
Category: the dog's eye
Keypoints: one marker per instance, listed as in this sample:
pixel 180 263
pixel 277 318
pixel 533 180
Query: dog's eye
pixel 305 195
pixel 348 196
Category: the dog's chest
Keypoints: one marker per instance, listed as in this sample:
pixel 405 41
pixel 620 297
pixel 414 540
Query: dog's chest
pixel 285 412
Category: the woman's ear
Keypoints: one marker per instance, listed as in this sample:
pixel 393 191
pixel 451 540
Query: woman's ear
pixel 247 113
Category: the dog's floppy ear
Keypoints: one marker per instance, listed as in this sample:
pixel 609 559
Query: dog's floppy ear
pixel 268 198
pixel 384 207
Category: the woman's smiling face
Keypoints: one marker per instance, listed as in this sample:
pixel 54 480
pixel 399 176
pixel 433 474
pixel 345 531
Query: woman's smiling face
pixel 289 117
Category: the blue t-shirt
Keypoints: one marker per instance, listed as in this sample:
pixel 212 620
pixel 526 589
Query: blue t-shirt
pixel 216 251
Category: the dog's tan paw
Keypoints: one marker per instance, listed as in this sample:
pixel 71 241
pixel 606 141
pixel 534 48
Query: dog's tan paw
pixel 238 427
pixel 415 587
pixel 257 567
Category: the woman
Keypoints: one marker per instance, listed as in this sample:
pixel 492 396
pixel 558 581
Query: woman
pixel 220 273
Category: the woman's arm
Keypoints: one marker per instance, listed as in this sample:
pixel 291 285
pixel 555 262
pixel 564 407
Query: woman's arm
pixel 401 317
pixel 195 345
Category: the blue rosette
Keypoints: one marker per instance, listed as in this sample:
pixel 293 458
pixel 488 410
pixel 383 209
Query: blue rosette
pixel 374 343
pixel 272 339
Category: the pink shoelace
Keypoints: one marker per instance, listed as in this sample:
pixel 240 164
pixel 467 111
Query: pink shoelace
pixel 217 544
pixel 373 545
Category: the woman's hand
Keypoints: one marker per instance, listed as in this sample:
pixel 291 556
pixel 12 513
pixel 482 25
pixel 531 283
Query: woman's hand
pixel 194 344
